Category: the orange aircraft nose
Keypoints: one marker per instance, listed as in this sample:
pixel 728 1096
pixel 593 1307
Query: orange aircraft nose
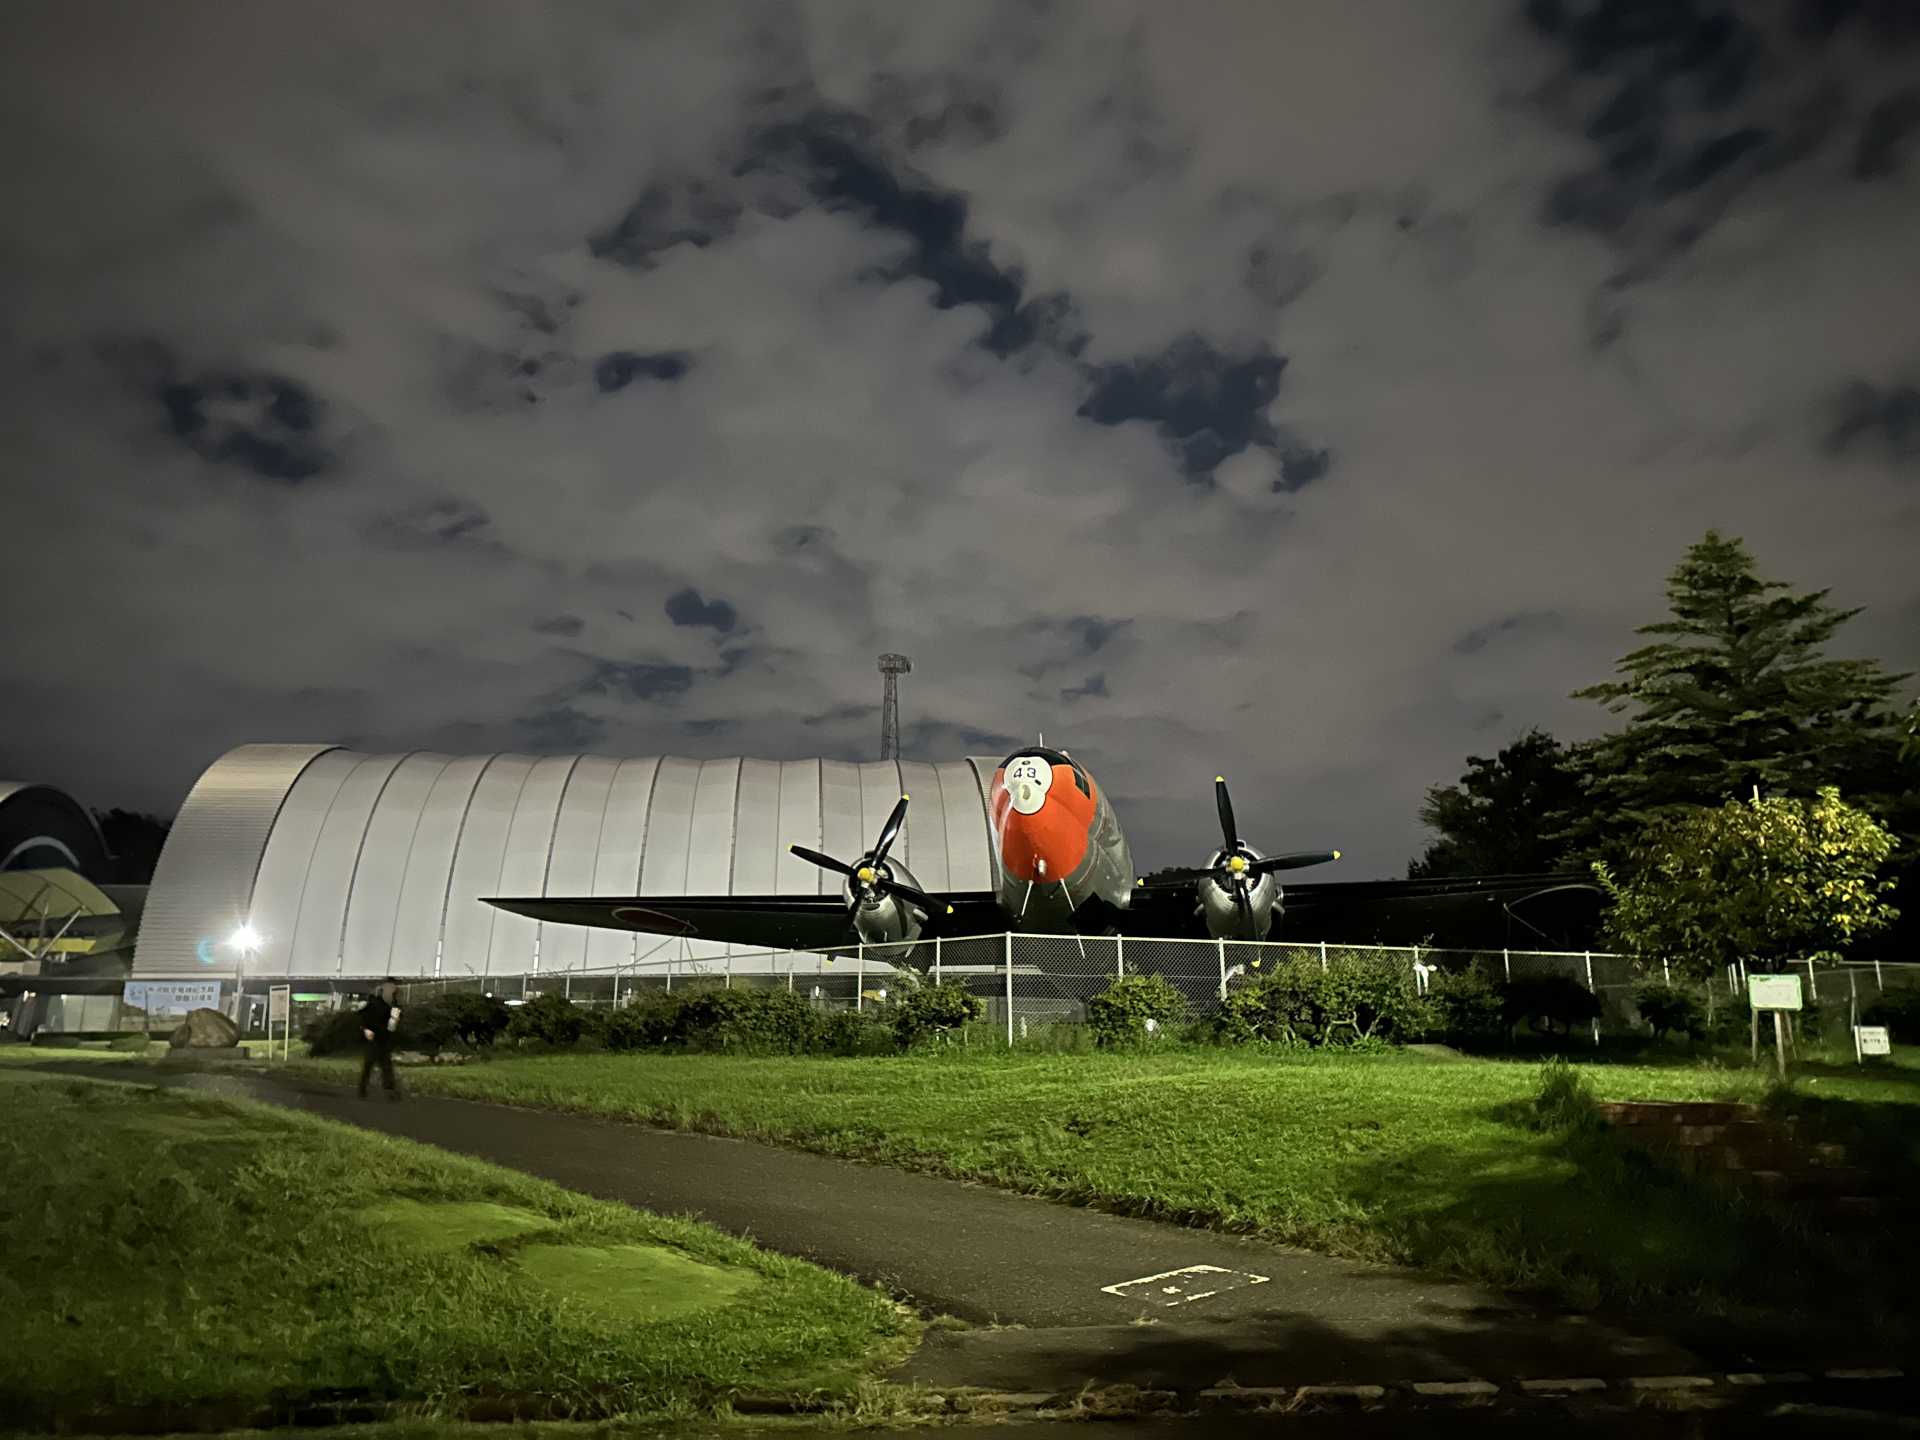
pixel 1043 834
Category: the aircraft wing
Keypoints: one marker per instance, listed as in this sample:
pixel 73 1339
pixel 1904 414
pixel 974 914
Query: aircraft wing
pixel 771 922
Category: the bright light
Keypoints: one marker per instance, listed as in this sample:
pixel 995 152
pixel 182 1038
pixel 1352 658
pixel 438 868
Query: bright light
pixel 246 938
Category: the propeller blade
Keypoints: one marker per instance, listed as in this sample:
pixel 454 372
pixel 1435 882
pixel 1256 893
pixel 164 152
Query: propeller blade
pixel 1246 906
pixel 1172 878
pixel 1228 831
pixel 919 897
pixel 890 831
pixel 1295 861
pixel 825 862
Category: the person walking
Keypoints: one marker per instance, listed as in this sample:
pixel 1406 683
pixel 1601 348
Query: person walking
pixel 379 1019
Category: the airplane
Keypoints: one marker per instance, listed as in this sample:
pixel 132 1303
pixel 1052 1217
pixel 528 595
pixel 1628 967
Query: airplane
pixel 1064 868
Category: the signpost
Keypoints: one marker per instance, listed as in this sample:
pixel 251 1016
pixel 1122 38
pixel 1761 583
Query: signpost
pixel 1870 1040
pixel 1778 993
pixel 280 1012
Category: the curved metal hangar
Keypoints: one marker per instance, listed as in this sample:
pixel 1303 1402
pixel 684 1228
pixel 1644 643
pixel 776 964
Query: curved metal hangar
pixel 346 864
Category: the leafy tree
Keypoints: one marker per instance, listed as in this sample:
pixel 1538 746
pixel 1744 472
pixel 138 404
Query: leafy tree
pixel 1507 816
pixel 1756 880
pixel 928 1010
pixel 1734 692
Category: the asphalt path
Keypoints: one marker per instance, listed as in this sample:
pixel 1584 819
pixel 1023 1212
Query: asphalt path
pixel 1059 1295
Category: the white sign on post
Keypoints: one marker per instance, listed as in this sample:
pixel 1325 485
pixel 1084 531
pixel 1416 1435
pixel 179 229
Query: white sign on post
pixel 1774 992
pixel 1871 1040
pixel 280 1012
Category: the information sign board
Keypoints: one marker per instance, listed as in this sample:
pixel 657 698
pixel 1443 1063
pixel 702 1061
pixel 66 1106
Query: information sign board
pixel 277 999
pixel 1872 1040
pixel 1773 992
pixel 172 997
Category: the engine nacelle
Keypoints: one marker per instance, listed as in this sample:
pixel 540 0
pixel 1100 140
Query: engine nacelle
pixel 885 919
pixel 1224 918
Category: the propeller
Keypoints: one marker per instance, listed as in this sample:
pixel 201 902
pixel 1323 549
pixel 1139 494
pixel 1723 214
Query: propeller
pixel 871 878
pixel 1237 868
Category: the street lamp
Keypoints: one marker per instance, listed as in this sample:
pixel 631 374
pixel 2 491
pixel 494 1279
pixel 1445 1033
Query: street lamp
pixel 243 942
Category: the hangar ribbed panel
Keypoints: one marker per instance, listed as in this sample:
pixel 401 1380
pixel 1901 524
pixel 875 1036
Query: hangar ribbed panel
pixel 926 834
pixel 366 865
pixel 477 864
pixel 281 882
pixel 622 841
pixel 523 871
pixel 576 846
pixel 799 825
pixel 203 885
pixel 419 922
pixel 373 906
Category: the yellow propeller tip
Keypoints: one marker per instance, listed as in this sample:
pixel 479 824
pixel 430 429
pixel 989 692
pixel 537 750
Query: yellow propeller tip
pixel 906 797
pixel 1140 882
pixel 1219 779
pixel 1336 854
pixel 949 909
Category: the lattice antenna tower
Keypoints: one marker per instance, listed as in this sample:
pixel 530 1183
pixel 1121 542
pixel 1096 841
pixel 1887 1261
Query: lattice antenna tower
pixel 892 667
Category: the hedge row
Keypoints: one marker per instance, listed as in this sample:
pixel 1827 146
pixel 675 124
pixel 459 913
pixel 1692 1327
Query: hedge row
pixel 744 1021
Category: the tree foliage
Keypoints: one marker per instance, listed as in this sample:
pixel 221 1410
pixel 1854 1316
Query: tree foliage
pixel 1507 816
pixel 1119 1014
pixel 1734 692
pixel 1756 880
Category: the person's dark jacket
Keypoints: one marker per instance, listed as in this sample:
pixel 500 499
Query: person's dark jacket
pixel 374 1016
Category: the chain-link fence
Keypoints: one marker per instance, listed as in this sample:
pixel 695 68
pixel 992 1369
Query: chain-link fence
pixel 1030 982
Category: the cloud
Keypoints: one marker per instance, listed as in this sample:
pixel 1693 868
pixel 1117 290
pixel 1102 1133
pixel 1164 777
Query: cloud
pixel 685 607
pixel 854 270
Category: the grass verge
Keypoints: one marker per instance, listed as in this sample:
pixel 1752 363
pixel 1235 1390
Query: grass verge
pixel 1399 1157
pixel 169 1252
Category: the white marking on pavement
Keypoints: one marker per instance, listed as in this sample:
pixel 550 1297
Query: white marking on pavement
pixel 1178 1293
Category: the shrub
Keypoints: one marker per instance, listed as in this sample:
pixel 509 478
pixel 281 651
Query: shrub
pixel 425 1026
pixel 1463 1006
pixel 754 1022
pixel 1671 1009
pixel 1899 1012
pixel 1119 1014
pixel 1544 1001
pixel 335 1032
pixel 549 1019
pixel 1299 1003
pixel 649 1022
pixel 1564 1100
pixel 478 1020
pixel 852 1032
pixel 928 1010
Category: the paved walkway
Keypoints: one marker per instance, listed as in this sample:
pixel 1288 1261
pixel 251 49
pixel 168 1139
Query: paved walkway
pixel 1094 1297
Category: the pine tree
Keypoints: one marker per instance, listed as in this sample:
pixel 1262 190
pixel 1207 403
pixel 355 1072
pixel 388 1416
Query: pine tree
pixel 1735 693
pixel 1505 817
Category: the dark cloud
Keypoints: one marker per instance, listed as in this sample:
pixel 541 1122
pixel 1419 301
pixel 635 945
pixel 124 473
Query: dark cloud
pixel 560 625
pixel 1300 467
pixel 451 521
pixel 1206 404
pixel 845 169
pixel 685 607
pixel 620 368
pixel 1527 622
pixel 261 423
pixel 1872 417
pixel 631 680
pixel 1883 135
pixel 1093 687
pixel 668 213
pixel 1091 632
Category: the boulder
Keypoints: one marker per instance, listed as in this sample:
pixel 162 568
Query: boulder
pixel 205 1030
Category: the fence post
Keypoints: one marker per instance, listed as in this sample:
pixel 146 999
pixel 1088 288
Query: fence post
pixel 1119 955
pixel 1666 975
pixel 1222 947
pixel 1595 993
pixel 1008 943
pixel 1323 957
pixel 729 981
pixel 1812 984
pixel 860 980
pixel 1879 982
pixel 789 973
pixel 936 959
pixel 1506 963
pixel 669 976
pixel 523 987
pixel 566 984
pixel 616 988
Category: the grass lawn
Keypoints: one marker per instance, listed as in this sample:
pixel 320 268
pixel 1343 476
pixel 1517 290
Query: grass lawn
pixel 1399 1156
pixel 171 1250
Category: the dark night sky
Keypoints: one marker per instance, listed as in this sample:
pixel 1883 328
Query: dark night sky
pixel 1312 391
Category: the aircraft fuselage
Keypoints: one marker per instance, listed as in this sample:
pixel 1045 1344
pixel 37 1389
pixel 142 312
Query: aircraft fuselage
pixel 1061 860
